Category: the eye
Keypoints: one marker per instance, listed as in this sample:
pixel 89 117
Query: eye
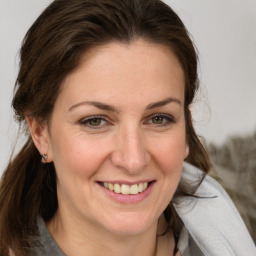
pixel 157 119
pixel 93 122
pixel 161 120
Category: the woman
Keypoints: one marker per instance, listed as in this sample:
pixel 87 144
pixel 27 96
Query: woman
pixel 104 89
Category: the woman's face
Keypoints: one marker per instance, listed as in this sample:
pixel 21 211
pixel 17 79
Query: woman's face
pixel 118 123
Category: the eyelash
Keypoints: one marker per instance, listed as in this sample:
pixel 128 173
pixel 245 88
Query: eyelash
pixel 167 119
pixel 85 122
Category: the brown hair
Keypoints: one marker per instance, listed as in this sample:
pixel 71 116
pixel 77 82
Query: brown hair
pixel 52 48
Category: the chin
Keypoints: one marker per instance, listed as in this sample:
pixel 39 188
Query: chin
pixel 130 224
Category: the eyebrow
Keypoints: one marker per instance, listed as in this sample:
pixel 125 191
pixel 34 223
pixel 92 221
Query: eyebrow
pixel 110 108
pixel 96 104
pixel 163 103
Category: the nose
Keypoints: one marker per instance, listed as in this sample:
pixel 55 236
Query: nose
pixel 130 151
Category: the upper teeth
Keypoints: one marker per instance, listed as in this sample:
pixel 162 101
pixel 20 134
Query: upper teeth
pixel 127 189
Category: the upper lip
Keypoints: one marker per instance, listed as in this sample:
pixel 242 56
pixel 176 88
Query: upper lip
pixel 125 181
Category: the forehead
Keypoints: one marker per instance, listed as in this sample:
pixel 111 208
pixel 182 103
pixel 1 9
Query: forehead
pixel 114 70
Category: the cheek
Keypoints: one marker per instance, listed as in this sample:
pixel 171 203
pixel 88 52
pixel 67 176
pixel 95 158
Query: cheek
pixel 169 156
pixel 170 153
pixel 79 157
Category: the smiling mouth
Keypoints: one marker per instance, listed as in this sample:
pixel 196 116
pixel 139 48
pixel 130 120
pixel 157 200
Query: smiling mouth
pixel 126 189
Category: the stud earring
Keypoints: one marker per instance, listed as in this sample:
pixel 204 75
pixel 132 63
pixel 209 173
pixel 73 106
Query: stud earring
pixel 44 157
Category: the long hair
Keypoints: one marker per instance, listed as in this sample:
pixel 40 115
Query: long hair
pixel 52 48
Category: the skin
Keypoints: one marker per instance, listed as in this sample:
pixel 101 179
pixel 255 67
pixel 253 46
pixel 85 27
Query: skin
pixel 125 142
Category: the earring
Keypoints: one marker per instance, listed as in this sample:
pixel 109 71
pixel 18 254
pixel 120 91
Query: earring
pixel 44 157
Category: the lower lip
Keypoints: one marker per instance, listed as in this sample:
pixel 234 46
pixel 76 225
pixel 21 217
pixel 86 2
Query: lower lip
pixel 129 199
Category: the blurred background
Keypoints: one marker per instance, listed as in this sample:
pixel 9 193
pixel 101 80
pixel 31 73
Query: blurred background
pixel 225 109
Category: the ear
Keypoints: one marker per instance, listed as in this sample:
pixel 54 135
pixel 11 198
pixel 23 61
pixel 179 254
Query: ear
pixel 40 135
pixel 186 151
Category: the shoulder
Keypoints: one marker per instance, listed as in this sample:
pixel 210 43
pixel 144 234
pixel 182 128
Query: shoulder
pixel 46 244
pixel 212 219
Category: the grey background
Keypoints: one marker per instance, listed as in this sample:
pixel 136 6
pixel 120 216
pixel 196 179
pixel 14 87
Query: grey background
pixel 225 35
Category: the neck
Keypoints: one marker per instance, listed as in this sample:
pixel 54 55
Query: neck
pixel 82 238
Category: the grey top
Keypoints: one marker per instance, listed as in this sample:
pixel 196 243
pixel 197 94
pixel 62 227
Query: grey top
pixel 48 245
